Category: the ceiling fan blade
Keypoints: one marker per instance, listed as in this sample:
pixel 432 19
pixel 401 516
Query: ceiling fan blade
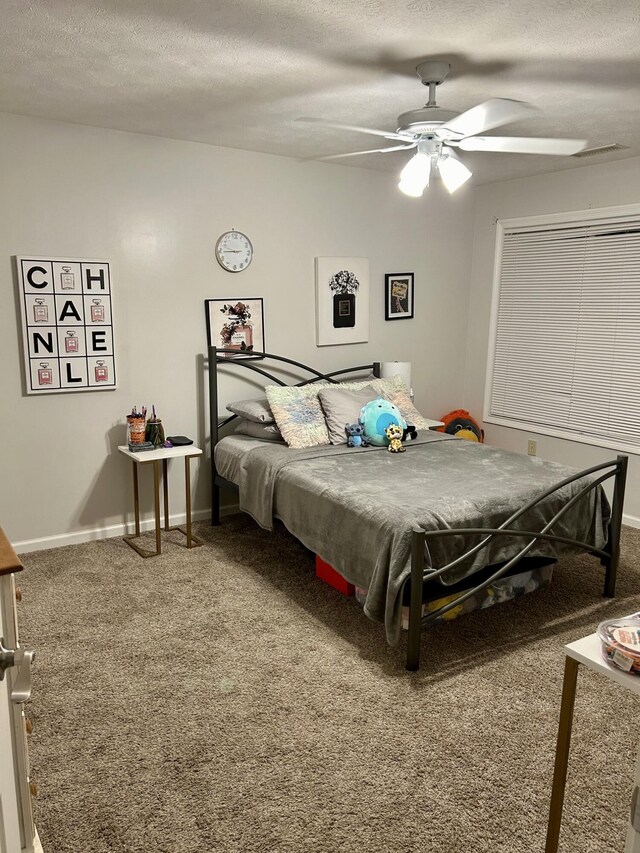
pixel 370 151
pixel 492 113
pixel 384 133
pixel 522 145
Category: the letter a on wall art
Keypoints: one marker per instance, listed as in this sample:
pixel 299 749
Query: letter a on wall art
pixel 342 301
pixel 67 324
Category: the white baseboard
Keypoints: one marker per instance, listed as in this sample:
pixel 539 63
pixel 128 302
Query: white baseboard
pixel 94 533
pixel 631 520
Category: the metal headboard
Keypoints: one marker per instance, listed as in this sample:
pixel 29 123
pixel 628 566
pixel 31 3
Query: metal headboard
pixel 218 356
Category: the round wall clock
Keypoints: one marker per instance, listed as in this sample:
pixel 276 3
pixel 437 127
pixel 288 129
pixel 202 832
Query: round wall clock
pixel 234 251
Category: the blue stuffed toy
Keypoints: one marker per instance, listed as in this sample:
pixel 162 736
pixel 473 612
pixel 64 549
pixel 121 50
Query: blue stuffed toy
pixel 356 436
pixel 376 416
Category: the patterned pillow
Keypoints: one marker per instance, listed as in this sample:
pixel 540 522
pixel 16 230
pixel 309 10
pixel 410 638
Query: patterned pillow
pixel 298 414
pixel 396 392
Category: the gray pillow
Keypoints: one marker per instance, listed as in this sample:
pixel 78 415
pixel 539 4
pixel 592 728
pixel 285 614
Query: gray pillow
pixel 267 432
pixel 342 406
pixel 257 411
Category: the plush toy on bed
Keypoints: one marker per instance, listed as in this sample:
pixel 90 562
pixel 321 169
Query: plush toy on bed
pixel 462 425
pixel 376 416
pixel 395 433
pixel 356 436
pixel 410 432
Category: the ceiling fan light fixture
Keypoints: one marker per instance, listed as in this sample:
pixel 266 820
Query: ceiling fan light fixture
pixel 453 172
pixel 413 190
pixel 414 178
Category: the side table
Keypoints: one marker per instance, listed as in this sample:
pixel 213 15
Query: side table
pixel 154 458
pixel 586 652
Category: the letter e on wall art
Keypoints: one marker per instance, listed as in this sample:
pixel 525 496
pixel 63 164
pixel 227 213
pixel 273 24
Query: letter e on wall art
pixel 67 324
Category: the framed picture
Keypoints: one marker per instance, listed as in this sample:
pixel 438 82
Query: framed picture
pixel 398 296
pixel 67 324
pixel 342 301
pixel 235 324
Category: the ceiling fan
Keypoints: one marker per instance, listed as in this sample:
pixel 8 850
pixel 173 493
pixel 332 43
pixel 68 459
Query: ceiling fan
pixel 436 133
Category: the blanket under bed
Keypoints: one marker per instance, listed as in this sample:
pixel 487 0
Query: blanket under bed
pixel 357 507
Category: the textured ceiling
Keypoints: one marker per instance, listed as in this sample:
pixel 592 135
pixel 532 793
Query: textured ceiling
pixel 239 72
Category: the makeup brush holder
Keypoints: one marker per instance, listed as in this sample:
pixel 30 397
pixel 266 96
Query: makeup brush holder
pixel 135 429
pixel 155 432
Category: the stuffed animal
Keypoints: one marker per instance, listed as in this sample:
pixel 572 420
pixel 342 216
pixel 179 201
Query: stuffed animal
pixel 376 416
pixel 394 433
pixel 356 436
pixel 462 425
pixel 410 432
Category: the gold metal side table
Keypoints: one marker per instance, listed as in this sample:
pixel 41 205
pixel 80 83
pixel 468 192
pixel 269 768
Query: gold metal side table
pixel 154 458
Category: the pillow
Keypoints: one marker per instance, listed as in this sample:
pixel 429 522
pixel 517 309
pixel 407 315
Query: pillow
pixel 394 389
pixel 257 411
pixel 267 432
pixel 342 406
pixel 298 414
pixel 399 396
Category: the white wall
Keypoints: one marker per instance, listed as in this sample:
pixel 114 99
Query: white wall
pixel 604 185
pixel 154 208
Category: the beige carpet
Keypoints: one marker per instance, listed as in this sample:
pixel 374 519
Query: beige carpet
pixel 223 699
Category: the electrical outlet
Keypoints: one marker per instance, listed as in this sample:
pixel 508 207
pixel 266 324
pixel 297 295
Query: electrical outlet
pixel 532 447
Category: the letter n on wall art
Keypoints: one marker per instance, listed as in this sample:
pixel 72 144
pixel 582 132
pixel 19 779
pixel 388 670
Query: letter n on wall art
pixel 67 324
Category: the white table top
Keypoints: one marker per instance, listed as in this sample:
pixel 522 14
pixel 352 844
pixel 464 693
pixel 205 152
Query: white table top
pixel 433 424
pixel 588 652
pixel 161 453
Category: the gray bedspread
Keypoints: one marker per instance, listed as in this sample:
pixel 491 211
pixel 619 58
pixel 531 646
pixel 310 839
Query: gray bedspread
pixel 356 507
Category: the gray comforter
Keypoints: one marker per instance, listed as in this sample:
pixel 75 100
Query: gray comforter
pixel 357 507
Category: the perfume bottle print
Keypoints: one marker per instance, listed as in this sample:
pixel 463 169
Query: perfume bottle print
pixel 45 374
pixel 242 337
pixel 40 311
pixel 67 279
pixel 97 311
pixel 101 372
pixel 71 342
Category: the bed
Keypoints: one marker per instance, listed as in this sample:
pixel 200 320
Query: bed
pixel 446 512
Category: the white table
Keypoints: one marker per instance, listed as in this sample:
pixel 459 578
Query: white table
pixel 154 458
pixel 433 424
pixel 587 652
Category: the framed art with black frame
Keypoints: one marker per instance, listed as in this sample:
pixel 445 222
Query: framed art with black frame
pixel 236 324
pixel 398 296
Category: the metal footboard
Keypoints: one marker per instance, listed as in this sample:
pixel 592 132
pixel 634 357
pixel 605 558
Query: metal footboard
pixel 609 555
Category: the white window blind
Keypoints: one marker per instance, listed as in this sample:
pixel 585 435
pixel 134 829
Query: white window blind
pixel 566 349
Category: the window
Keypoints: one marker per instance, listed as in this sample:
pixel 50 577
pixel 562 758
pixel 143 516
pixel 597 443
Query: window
pixel 564 354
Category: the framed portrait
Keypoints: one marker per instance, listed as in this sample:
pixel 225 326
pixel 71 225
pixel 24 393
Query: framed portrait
pixel 235 324
pixel 398 296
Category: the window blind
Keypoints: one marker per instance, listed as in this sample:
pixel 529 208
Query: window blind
pixel 566 352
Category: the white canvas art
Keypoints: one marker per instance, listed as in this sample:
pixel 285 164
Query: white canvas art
pixel 67 324
pixel 342 301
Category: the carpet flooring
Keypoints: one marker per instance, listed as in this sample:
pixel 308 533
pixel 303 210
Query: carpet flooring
pixel 224 699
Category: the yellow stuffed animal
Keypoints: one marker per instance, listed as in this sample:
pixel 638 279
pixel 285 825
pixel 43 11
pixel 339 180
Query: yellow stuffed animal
pixel 394 434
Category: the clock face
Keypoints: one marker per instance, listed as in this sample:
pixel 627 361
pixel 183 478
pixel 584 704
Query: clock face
pixel 234 251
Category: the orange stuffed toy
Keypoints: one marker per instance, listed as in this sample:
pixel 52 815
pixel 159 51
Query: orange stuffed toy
pixel 462 425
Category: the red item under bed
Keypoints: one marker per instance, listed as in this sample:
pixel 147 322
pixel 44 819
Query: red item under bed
pixel 328 574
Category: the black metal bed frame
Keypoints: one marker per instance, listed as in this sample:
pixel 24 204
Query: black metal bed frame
pixel 609 555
